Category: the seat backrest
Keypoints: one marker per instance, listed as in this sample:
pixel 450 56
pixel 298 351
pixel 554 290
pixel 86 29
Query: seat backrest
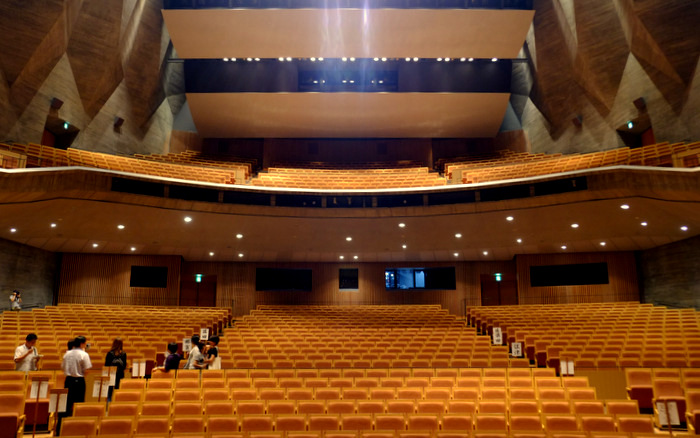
pixel 79 426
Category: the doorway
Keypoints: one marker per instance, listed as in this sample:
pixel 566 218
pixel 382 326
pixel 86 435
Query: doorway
pixel 498 290
pixel 198 294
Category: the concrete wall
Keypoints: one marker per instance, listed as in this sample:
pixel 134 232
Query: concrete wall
pixel 670 275
pixel 30 270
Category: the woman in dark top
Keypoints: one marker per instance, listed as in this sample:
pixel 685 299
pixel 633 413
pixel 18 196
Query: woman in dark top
pixel 116 357
pixel 172 362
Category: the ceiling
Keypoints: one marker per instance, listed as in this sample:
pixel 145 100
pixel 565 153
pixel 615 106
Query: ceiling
pixel 337 33
pixel 334 33
pixel 278 234
pixel 348 115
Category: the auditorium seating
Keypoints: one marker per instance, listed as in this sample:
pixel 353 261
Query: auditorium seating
pixel 511 165
pixel 348 178
pixel 244 168
pixel 145 332
pixel 603 335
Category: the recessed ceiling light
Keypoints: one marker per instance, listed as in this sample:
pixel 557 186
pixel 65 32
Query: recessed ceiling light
pixel 349 239
pixel 402 225
pixel 684 228
pixel 510 218
pixel 53 225
pixel 289 59
pixel 625 207
pixel 133 248
pixel 456 254
pixel 320 59
pixel 383 59
pixel 376 59
pixel 439 59
pixel 344 59
pixel 458 235
pixel 225 59
pixel 563 247
pixel 257 59
pixel 408 59
pixel 574 225
pixel 352 59
pixel 239 236
pixel 188 219
pixel 485 253
pixel 249 59
pixel 233 59
pixel 211 254
pixel 13 230
pixel 341 257
pixel 94 245
pixel 415 59
pixel 240 254
pixel 644 224
pixel 404 246
pixel 602 244
pixel 471 59
pixel 462 59
pixel 121 227
pixel 355 257
pixel 519 240
pixel 494 59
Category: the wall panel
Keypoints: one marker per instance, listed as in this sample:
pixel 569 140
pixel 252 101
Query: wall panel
pixel 104 279
pixel 622 273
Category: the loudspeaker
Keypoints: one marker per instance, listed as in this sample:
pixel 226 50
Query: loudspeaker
pixel 577 121
pixel 640 104
pixel 56 103
pixel 118 122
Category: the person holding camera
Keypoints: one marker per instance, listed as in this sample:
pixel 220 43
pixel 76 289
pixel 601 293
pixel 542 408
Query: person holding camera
pixel 16 300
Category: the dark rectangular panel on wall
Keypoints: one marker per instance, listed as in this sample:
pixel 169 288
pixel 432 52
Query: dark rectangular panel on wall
pixel 569 275
pixel 622 285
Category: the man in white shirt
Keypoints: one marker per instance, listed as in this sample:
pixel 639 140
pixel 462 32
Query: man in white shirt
pixel 75 362
pixel 195 360
pixel 26 355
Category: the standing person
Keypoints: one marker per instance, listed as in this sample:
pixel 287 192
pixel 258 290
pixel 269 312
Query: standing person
pixel 212 353
pixel 75 363
pixel 16 300
pixel 26 355
pixel 116 357
pixel 195 360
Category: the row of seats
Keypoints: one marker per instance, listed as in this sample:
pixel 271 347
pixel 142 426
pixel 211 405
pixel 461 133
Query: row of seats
pixel 196 158
pixel 276 407
pixel 510 165
pixel 46 156
pixel 348 179
pixel 87 426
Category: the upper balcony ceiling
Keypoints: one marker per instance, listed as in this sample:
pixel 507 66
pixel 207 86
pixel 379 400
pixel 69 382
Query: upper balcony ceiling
pixel 333 34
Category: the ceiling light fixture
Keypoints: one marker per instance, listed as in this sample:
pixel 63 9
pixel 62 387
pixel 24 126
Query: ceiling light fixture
pixel 13 230
pixel 625 207
pixel 458 235
pixel 121 227
pixel 415 59
pixel 471 59
pixel 494 59
pixel 485 253
pixel 133 248
pixel 240 254
pixel 510 218
pixel 404 246
pixel 519 240
pixel 341 257
pixel 462 59
pixel 289 59
pixel 574 225
pixel 344 59
pixel 603 243
pixel 94 245
pixel 402 225
pixel 349 239
pixel 225 59
pixel 53 225
pixel 239 236
pixel 211 254
pixel 563 247
pixel 188 219
pixel 684 228
pixel 355 257
pixel 644 224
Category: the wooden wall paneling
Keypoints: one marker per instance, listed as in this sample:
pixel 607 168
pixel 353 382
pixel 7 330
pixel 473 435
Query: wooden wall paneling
pixel 104 279
pixel 622 274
